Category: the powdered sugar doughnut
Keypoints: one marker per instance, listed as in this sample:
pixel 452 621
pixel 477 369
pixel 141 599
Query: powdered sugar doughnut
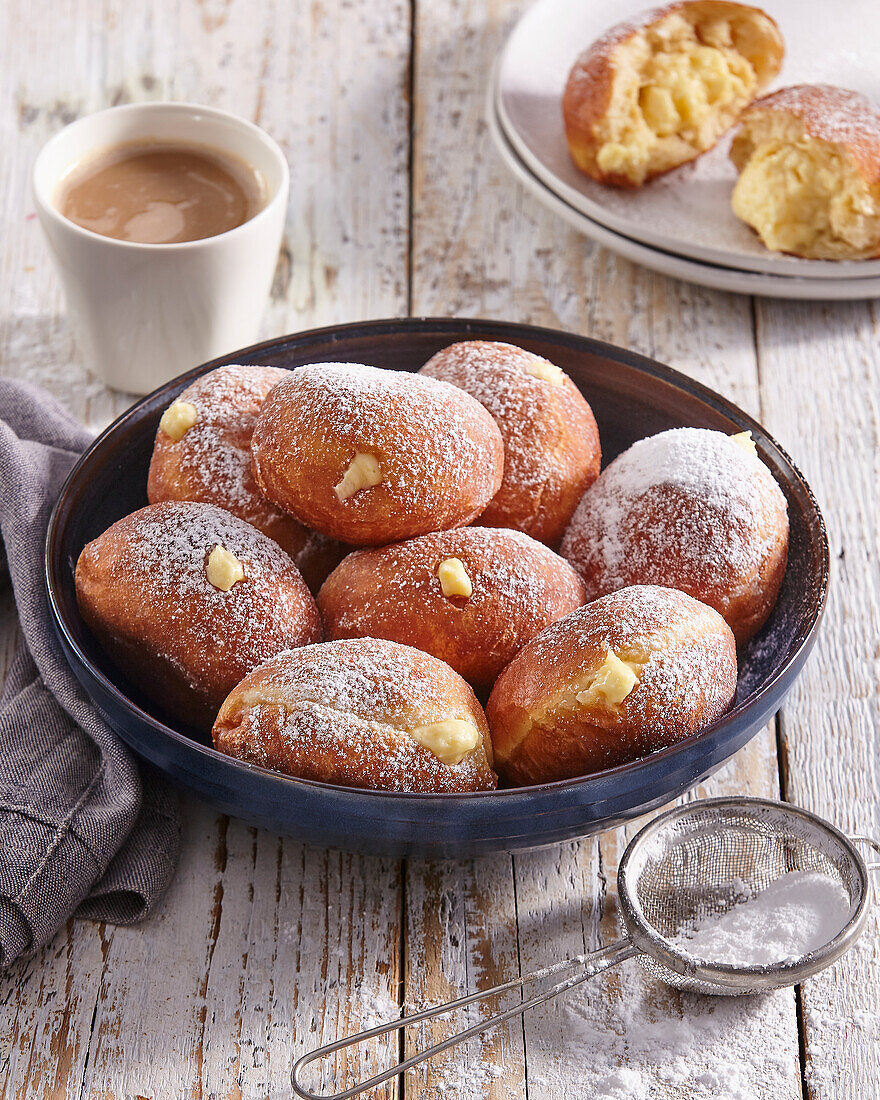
pixel 187 598
pixel 360 713
pixel 370 456
pixel 472 597
pixel 809 164
pixel 692 509
pixel 551 443
pixel 203 450
pixel 656 91
pixel 631 673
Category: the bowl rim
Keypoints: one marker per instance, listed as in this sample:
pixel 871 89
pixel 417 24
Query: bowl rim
pixel 487 329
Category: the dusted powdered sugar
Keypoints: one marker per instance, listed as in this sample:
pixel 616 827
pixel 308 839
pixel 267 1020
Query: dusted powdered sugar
pixel 430 435
pixel 214 454
pixel 356 700
pixel 511 573
pixel 796 914
pixel 688 669
pixel 550 440
pixel 362 678
pixel 832 114
pixel 688 498
pixel 166 550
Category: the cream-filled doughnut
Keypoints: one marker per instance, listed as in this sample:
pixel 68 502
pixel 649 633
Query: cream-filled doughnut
pixel 551 442
pixel 691 509
pixel 370 456
pixel 472 597
pixel 656 91
pixel 809 172
pixel 203 450
pixel 362 712
pixel 630 673
pixel 186 599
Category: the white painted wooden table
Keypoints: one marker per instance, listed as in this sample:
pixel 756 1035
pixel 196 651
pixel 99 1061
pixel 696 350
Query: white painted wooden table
pixel 264 948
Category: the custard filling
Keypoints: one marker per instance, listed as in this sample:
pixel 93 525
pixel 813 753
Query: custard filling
pixel 676 90
pixel 806 198
pixel 363 472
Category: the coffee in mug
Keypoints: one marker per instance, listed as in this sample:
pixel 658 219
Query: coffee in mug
pixel 160 193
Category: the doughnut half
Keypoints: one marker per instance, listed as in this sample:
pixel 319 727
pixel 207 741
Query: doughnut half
pixel 515 588
pixel 371 456
pixel 657 91
pixel 631 673
pixel 692 509
pixel 809 164
pixel 143 589
pixel 360 713
pixel 551 442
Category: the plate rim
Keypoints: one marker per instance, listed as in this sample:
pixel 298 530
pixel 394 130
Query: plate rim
pixel 714 276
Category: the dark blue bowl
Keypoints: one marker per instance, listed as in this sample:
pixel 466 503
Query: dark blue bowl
pixel 631 397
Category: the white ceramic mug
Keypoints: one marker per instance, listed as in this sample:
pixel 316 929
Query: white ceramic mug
pixel 147 312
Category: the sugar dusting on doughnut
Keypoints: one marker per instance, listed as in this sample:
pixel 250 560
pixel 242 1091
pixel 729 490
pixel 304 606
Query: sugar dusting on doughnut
pixel 832 114
pixel 184 631
pixel 439 453
pixel 354 398
pixel 551 443
pixel 343 709
pixel 169 547
pixel 689 508
pixel 643 618
pixel 504 567
pixel 218 461
pixel 549 723
pixel 211 461
pixel 518 587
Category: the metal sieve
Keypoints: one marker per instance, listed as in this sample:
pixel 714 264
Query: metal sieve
pixel 689 863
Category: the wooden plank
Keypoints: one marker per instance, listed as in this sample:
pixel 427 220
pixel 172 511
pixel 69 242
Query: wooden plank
pixel 261 947
pixel 481 247
pixel 820 381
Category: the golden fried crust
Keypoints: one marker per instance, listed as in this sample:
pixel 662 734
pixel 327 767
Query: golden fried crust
pixel 519 588
pixel 590 86
pixel 211 462
pixel 341 713
pixel 691 509
pixel 438 453
pixel 551 442
pixel 143 590
pixel 836 115
pixel 685 660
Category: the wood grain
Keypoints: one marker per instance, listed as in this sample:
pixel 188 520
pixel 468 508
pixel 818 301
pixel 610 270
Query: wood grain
pixel 481 247
pixel 262 948
pixel 820 381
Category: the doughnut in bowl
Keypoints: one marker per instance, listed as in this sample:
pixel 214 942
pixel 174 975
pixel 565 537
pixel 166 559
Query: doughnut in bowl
pixel 631 398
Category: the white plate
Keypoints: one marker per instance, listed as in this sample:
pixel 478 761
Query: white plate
pixel 688 210
pixel 691 271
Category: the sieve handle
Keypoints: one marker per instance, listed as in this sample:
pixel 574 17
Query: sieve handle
pixel 584 966
pixel 872 843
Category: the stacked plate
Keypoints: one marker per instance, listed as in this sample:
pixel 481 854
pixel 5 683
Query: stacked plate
pixel 682 223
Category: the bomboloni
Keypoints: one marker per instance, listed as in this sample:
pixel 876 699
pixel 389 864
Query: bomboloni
pixel 186 599
pixel 371 456
pixel 362 712
pixel 622 677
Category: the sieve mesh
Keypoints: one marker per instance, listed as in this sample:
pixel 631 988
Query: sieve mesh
pixel 707 857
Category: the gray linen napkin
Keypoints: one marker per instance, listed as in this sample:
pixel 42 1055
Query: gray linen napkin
pixel 82 833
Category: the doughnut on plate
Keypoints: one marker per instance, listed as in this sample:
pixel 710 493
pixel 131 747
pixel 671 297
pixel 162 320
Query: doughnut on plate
pixel 631 397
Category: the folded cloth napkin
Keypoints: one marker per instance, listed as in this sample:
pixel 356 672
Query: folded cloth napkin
pixel 82 832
